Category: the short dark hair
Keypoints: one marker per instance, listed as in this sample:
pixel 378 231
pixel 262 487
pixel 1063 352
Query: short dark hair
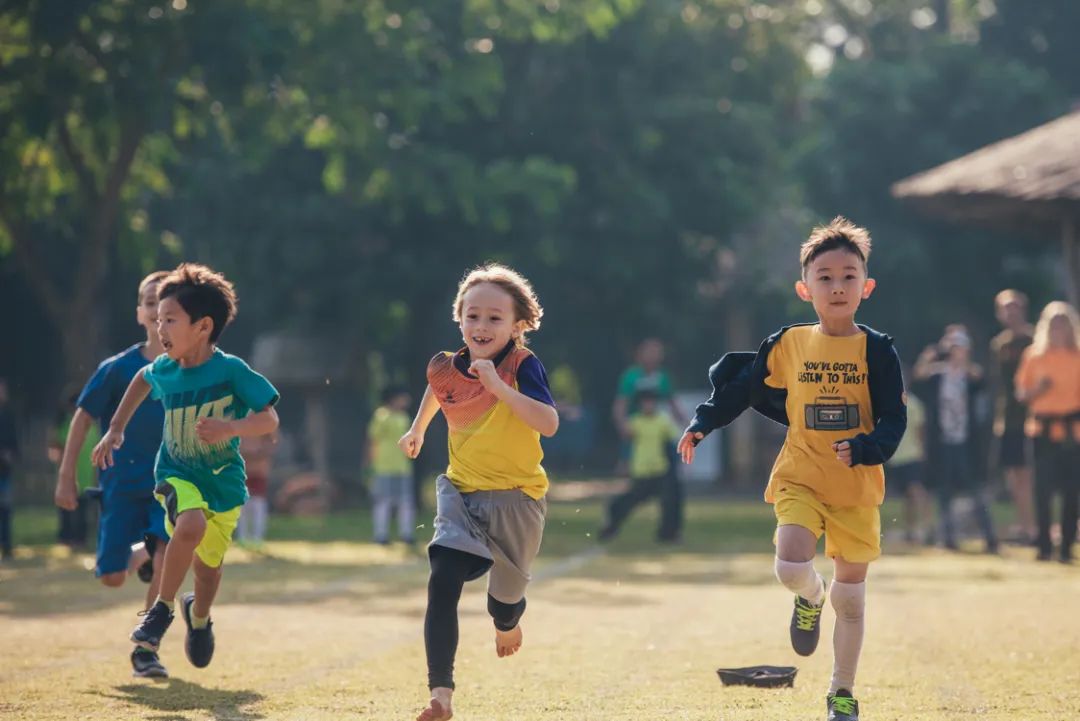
pixel 201 292
pixel 840 233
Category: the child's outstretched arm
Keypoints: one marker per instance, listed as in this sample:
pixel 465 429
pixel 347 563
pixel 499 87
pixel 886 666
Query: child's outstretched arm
pixel 413 440
pixel 731 377
pixel 137 390
pixel 218 430
pixel 537 415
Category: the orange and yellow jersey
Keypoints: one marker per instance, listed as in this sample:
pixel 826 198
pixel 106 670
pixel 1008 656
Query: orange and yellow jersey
pixel 828 400
pixel 490 448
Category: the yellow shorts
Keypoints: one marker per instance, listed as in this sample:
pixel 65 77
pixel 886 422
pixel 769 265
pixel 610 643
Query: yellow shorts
pixel 852 533
pixel 177 495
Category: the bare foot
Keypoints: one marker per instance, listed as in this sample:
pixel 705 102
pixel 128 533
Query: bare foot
pixel 507 643
pixel 439 706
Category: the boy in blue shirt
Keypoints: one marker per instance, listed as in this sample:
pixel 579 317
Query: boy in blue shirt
pixel 211 400
pixel 129 513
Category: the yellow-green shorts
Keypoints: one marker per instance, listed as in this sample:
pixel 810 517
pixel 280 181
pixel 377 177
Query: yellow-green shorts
pixel 177 495
pixel 852 533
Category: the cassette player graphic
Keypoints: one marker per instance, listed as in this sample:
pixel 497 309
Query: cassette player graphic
pixel 831 413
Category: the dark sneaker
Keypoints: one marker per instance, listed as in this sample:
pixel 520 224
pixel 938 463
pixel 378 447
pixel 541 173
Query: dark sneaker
pixel 145 664
pixel 199 643
pixel 806 626
pixel 842 707
pixel 154 625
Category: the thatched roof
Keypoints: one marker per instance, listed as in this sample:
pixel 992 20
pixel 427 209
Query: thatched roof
pixel 1031 178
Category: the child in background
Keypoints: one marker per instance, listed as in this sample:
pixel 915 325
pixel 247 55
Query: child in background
pixel 392 483
pixel 652 432
pixel 258 456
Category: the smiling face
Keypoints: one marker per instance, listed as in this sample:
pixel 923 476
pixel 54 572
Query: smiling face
pixel 835 283
pixel 487 320
pixel 180 336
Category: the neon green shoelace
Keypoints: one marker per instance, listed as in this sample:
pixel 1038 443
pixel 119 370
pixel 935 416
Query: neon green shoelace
pixel 807 615
pixel 843 704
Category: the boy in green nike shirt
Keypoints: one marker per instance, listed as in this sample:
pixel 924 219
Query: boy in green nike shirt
pixel 211 400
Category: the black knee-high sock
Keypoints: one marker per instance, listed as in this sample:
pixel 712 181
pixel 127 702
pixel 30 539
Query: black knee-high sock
pixel 450 569
pixel 505 615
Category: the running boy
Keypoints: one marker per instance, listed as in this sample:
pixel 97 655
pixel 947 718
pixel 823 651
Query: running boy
pixel 490 502
pixel 839 389
pixel 211 399
pixel 129 513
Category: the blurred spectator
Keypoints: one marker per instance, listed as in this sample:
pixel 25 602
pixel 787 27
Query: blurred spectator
pixel 651 432
pixel 1011 449
pixel 949 381
pixel 258 454
pixel 392 483
pixel 907 473
pixel 647 374
pixel 1048 381
pixel 568 448
pixel 9 452
pixel 74 525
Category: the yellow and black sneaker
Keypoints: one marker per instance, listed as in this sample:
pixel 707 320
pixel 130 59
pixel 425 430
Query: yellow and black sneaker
pixel 806 626
pixel 842 707
pixel 155 623
pixel 199 643
pixel 146 664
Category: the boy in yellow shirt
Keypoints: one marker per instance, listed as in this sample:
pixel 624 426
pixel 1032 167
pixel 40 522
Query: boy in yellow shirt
pixel 651 433
pixel 838 388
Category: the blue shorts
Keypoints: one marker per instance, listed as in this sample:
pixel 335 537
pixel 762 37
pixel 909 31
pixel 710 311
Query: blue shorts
pixel 125 520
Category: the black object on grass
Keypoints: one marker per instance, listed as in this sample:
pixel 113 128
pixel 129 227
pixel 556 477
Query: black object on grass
pixel 760 676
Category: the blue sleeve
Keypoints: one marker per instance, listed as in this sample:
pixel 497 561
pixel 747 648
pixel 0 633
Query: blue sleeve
pixel 251 388
pixel 99 394
pixel 890 411
pixel 532 381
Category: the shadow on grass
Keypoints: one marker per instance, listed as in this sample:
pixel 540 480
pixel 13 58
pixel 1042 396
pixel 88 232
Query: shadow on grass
pixel 175 697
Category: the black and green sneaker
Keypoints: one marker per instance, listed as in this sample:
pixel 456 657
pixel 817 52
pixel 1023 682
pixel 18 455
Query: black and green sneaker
pixel 146 664
pixel 199 643
pixel 154 625
pixel 842 707
pixel 806 626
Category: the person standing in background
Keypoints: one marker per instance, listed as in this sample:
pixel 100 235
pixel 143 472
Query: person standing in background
pixel 1012 450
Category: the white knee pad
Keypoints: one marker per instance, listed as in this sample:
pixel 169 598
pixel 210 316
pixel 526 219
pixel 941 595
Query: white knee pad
pixel 799 577
pixel 848 599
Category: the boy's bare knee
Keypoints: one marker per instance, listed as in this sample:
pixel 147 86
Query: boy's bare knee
pixel 190 527
pixel 113 580
pixel 795 544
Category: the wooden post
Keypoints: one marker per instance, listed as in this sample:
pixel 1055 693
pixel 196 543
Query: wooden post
pixel 1072 260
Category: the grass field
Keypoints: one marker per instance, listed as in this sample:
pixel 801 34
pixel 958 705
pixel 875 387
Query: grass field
pixel 323 625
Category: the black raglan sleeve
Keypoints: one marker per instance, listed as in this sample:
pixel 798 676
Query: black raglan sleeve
pixel 890 411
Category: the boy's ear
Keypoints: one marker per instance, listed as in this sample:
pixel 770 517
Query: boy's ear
pixel 206 324
pixel 868 288
pixel 803 291
pixel 519 329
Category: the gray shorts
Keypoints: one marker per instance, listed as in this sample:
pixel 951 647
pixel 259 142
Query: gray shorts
pixel 505 527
